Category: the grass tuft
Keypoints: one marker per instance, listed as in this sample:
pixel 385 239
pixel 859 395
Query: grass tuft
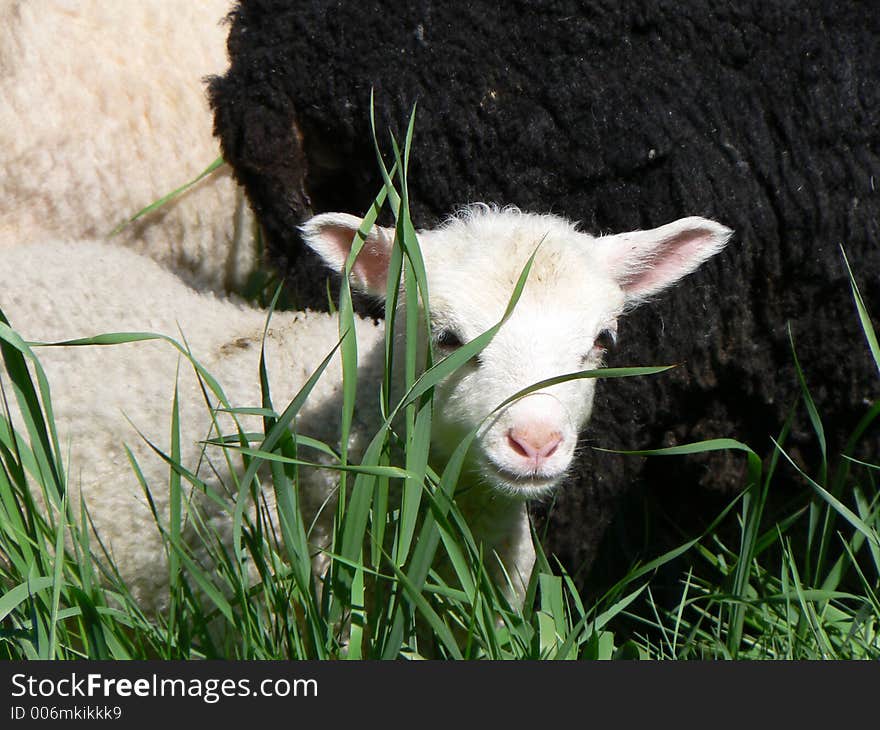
pixel 404 577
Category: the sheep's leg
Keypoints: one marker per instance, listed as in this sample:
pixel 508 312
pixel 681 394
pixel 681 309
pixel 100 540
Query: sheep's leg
pixel 514 557
pixel 501 525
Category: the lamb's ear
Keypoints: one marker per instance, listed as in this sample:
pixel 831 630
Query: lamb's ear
pixel 646 262
pixel 331 236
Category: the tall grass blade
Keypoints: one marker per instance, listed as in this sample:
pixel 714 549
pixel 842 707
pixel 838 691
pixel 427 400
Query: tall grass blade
pixel 169 197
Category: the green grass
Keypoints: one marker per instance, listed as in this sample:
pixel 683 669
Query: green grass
pixel 802 584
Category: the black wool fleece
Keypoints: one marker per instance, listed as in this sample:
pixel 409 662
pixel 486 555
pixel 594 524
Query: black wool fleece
pixel 762 115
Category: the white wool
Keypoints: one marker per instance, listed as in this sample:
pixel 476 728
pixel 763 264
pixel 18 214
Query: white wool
pixel 68 289
pixel 576 290
pixel 103 112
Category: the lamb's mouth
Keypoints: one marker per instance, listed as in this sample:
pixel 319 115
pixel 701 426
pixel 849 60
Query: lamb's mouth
pixel 518 483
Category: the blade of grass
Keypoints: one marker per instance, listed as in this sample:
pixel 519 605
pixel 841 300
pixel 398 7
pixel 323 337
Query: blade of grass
pixel 170 196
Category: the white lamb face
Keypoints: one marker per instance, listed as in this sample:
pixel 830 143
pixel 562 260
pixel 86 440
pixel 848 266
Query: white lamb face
pixel 563 322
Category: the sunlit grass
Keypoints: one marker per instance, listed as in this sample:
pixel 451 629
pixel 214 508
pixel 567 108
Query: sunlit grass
pixel 801 585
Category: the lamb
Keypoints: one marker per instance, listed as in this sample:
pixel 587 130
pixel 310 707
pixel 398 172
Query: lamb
pixel 622 115
pixel 103 113
pixel 567 315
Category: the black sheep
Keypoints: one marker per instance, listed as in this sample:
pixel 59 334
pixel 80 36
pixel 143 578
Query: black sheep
pixel 762 115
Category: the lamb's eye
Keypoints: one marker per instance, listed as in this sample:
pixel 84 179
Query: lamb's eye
pixel 606 339
pixel 448 340
pixel 604 342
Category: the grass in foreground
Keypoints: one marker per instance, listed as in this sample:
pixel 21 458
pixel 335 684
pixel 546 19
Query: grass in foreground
pixel 62 597
pixel 803 585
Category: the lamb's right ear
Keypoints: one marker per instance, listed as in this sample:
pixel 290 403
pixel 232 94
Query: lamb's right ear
pixel 646 262
pixel 331 236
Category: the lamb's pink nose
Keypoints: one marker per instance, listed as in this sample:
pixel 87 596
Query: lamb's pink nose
pixel 536 442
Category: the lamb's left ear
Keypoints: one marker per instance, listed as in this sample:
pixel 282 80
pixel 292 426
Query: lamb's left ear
pixel 331 236
pixel 646 262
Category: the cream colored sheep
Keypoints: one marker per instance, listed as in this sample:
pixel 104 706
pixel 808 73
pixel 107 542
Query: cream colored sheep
pixel 578 287
pixel 102 112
